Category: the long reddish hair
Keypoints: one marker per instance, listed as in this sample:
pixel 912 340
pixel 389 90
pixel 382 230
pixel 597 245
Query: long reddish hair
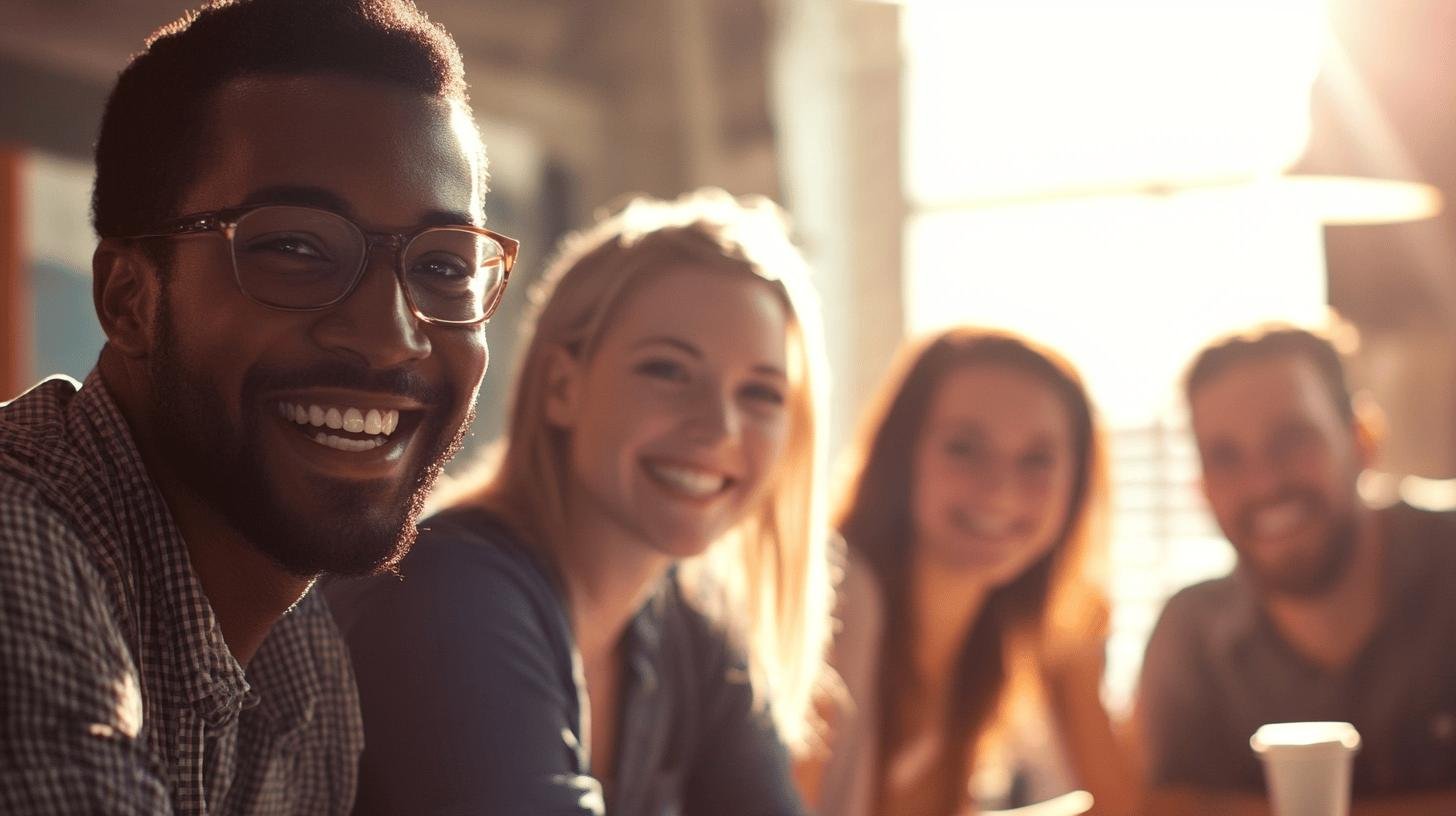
pixel 1051 599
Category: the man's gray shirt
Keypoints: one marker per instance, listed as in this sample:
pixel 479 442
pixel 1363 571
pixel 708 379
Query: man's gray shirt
pixel 1216 669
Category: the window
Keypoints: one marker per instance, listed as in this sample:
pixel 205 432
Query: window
pixel 1100 176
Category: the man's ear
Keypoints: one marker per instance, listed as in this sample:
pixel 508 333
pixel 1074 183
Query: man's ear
pixel 1202 485
pixel 1370 429
pixel 124 288
pixel 563 387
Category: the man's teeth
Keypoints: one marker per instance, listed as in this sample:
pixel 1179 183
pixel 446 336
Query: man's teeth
pixel 373 422
pixel 340 443
pixel 1279 519
pixel 691 481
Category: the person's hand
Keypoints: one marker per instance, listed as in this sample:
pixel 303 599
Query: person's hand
pixel 1075 649
pixel 1068 804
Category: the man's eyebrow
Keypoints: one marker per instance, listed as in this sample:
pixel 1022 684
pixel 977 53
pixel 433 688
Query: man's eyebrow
pixel 302 196
pixel 325 199
pixel 447 218
pixel 1218 444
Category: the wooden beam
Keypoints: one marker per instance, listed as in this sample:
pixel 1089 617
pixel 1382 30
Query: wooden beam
pixel 15 296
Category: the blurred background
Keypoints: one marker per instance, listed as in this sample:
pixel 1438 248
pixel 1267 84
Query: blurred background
pixel 1121 179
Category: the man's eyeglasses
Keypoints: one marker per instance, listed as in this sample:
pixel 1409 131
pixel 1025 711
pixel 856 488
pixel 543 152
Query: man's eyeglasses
pixel 304 259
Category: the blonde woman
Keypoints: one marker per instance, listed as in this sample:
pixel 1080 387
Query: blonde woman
pixel 628 615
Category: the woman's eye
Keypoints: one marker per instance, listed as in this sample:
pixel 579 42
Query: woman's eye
pixel 1038 461
pixel 669 370
pixel 962 449
pixel 766 394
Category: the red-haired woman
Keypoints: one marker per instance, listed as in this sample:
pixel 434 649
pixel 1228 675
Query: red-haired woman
pixel 972 518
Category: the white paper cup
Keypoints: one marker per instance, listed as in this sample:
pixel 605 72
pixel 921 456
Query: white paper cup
pixel 1307 766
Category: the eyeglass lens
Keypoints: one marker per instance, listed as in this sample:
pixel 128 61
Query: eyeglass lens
pixel 302 258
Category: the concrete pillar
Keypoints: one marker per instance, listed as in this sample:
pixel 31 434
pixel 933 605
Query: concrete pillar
pixel 837 104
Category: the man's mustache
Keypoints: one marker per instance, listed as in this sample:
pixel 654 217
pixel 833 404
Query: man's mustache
pixel 1309 498
pixel 404 382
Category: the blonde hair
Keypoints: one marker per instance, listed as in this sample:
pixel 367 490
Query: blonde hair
pixel 767 580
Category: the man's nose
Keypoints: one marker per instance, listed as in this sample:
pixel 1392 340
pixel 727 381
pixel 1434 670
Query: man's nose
pixel 1263 478
pixel 375 322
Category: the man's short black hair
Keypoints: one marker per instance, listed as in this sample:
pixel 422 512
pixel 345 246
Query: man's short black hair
pixel 1271 341
pixel 152 133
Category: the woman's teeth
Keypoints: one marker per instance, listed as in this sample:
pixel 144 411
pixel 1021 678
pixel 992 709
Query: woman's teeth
pixel 690 481
pixel 980 525
pixel 374 422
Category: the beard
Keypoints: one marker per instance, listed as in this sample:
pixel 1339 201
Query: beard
pixel 1315 573
pixel 354 528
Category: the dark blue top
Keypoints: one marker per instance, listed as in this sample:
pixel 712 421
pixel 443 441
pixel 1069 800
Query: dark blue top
pixel 472 692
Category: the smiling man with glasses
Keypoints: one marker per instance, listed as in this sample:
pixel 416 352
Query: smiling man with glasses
pixel 293 278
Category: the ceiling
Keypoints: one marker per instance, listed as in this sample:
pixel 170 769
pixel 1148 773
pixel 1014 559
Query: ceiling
pixel 93 38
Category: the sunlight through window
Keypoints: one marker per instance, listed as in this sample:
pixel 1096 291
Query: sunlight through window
pixel 1092 174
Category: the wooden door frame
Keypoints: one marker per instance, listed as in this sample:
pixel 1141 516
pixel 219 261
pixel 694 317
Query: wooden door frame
pixel 15 293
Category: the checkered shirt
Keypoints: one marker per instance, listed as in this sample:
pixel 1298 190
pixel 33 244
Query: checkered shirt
pixel 117 692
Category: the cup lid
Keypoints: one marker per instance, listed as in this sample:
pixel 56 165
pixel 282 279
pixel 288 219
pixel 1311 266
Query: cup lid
pixel 1274 736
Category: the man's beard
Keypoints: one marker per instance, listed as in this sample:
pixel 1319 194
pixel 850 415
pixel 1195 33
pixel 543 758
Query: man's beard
pixel 347 534
pixel 1314 576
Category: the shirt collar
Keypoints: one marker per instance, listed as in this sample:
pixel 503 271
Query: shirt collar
pixel 1242 616
pixel 1401 569
pixel 1407 581
pixel 644 637
pixel 212 679
pixel 290 669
